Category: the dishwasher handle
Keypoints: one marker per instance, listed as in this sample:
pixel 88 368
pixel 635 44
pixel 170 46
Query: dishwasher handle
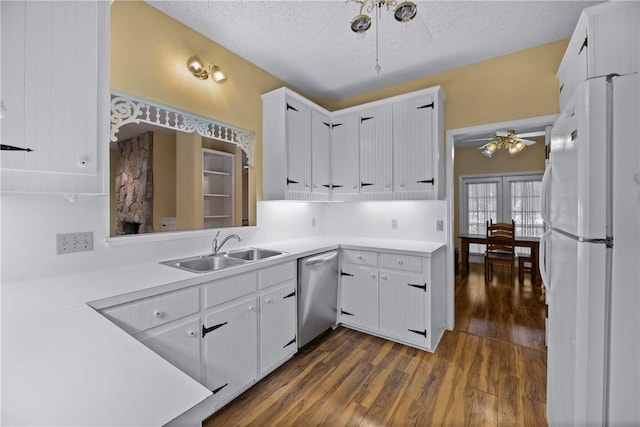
pixel 320 258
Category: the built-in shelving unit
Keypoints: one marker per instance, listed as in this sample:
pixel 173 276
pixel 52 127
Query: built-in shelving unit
pixel 218 187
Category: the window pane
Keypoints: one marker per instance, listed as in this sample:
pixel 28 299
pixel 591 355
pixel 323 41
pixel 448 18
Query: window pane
pixel 481 206
pixel 525 207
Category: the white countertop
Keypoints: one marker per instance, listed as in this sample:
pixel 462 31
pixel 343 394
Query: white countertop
pixel 68 365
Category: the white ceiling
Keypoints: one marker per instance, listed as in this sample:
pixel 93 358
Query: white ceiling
pixel 309 44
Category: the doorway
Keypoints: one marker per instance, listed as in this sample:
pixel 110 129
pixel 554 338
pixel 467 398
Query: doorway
pixel 456 139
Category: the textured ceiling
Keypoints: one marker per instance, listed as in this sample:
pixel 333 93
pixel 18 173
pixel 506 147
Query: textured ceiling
pixel 309 44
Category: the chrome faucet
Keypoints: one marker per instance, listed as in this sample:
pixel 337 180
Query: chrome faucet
pixel 214 245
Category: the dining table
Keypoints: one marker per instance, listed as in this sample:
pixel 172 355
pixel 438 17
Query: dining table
pixel 520 242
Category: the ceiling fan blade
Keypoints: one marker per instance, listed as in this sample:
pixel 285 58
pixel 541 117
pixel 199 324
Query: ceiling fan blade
pixel 479 139
pixel 526 142
pixel 482 147
pixel 531 134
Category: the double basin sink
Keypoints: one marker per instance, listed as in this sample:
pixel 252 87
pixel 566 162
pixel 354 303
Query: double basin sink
pixel 215 262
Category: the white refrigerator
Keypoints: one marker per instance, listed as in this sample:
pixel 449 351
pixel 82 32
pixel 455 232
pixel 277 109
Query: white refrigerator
pixel 590 257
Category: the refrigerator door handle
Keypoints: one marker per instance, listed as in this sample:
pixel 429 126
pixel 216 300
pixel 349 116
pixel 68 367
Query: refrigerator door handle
pixel 542 253
pixel 546 181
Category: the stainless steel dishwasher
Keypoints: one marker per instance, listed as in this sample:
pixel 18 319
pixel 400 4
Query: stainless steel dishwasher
pixel 317 295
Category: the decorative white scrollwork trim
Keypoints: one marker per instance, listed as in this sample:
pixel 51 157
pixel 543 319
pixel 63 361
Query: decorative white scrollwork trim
pixel 126 109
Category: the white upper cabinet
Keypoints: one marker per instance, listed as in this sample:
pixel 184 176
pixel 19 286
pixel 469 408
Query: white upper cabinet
pixel 320 155
pixel 287 147
pixel 383 150
pixel 298 146
pixel 345 155
pixel 55 96
pixel 376 135
pixel 605 41
pixel 415 145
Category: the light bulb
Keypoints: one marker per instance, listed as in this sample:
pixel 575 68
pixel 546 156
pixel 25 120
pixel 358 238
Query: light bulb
pixel 218 75
pixel 196 66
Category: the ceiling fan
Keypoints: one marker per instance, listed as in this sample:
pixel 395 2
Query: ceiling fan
pixel 508 140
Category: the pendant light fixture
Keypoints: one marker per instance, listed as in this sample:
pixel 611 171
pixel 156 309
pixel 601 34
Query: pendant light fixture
pixel 403 12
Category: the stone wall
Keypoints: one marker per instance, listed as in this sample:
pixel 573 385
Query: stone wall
pixel 134 183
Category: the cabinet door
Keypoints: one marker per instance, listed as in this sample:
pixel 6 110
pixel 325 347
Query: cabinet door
pixel 298 146
pixel 231 348
pixel 320 153
pixel 402 307
pixel 179 343
pixel 580 55
pixel 51 93
pixel 413 145
pixel 345 154
pixel 375 150
pixel 359 297
pixel 277 325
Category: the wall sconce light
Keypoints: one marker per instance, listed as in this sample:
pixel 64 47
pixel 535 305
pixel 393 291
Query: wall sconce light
pixel 202 71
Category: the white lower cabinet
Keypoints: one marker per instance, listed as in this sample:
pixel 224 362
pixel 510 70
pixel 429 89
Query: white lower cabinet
pixel 397 296
pixel 402 307
pixel 226 333
pixel 230 339
pixel 278 341
pixel 178 343
pixel 359 304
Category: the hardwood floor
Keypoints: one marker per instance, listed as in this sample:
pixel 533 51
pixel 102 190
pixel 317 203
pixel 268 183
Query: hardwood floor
pixel 491 370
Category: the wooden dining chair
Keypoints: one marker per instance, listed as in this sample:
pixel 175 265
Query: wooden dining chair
pixel 500 248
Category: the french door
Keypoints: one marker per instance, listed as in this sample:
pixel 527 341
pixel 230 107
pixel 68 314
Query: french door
pixel 501 198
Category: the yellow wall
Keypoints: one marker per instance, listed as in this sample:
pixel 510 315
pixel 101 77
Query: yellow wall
pixel 188 176
pixel 469 161
pixel 149 52
pixel 510 87
pixel 164 177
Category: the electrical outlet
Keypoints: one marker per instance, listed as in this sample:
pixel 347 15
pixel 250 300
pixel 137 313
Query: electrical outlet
pixel 74 242
pixel 313 222
pixel 439 225
pixel 394 223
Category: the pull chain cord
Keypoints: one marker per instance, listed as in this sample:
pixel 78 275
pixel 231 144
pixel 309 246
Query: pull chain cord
pixel 377 67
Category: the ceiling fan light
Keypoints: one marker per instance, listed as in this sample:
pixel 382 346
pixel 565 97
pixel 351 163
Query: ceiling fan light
pixel 360 24
pixel 491 147
pixel 405 11
pixel 197 67
pixel 516 148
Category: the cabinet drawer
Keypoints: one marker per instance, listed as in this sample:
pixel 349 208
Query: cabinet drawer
pixel 359 257
pixel 147 313
pixel 277 274
pixel 230 288
pixel 401 262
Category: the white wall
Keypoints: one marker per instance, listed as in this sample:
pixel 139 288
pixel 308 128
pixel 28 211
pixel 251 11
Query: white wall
pixel 416 219
pixel 284 220
pixel 30 224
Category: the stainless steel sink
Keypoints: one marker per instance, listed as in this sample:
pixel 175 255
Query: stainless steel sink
pixel 204 264
pixel 209 263
pixel 253 254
